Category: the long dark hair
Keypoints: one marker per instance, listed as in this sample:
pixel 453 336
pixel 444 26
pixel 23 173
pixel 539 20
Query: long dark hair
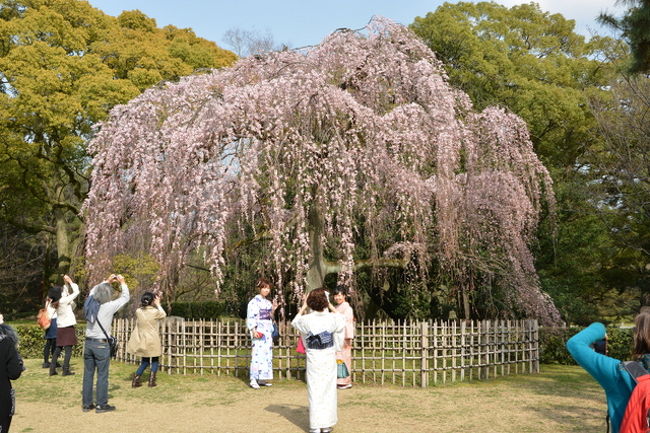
pixel 642 333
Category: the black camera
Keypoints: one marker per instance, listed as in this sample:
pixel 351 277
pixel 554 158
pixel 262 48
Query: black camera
pixel 600 346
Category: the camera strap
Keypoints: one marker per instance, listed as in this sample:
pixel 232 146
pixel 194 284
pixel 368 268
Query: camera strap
pixel 108 339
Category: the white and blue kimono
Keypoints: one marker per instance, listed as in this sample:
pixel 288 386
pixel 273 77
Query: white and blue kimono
pixel 258 318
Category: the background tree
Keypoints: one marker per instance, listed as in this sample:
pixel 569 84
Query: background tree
pixel 634 26
pixel 534 63
pixel 622 169
pixel 250 42
pixel 528 60
pixel 63 65
pixel 358 142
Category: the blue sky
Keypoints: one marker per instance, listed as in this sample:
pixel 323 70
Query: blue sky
pixel 300 23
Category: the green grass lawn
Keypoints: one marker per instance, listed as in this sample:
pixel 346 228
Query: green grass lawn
pixel 559 399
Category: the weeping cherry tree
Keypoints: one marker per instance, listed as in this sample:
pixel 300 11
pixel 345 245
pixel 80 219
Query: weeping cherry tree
pixel 358 139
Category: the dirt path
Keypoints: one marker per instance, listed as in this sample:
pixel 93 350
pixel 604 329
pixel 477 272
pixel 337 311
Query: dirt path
pixel 561 399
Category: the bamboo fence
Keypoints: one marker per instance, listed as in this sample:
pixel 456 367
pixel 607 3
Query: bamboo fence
pixel 403 352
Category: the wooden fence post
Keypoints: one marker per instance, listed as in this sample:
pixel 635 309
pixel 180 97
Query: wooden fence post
pixel 424 377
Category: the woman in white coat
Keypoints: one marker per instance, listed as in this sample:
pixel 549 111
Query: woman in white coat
pixel 322 334
pixel 66 336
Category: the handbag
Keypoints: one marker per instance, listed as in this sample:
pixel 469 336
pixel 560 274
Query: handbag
pixel 43 319
pixel 300 347
pixel 341 369
pixel 275 334
pixel 112 341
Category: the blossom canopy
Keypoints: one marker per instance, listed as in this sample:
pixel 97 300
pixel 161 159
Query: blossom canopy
pixel 358 139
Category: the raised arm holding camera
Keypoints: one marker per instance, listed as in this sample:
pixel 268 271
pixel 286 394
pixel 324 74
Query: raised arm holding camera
pixel 589 347
pixel 99 310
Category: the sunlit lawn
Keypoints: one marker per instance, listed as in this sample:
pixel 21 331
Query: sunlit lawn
pixel 560 399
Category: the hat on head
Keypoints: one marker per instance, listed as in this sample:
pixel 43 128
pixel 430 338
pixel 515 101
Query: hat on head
pixel 54 293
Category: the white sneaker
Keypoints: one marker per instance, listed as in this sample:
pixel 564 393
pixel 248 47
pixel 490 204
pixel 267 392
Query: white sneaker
pixel 254 384
pixel 346 386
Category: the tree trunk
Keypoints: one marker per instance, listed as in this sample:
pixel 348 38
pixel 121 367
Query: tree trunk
pixel 466 309
pixel 319 268
pixel 63 249
pixel 316 273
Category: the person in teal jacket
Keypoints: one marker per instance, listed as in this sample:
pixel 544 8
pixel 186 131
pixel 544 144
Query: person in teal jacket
pixel 609 372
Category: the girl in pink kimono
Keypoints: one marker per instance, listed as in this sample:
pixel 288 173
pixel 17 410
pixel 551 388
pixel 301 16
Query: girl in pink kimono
pixel 345 354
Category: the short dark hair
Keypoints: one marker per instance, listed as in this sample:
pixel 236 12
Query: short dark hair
pixel 317 300
pixel 642 332
pixel 343 290
pixel 8 332
pixel 263 282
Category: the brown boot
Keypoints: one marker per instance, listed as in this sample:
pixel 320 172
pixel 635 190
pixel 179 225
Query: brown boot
pixel 152 379
pixel 135 383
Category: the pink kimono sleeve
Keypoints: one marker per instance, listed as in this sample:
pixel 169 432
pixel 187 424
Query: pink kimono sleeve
pixel 349 323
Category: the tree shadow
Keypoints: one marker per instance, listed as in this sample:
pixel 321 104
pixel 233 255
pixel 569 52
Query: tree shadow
pixel 581 418
pixel 298 415
pixel 559 382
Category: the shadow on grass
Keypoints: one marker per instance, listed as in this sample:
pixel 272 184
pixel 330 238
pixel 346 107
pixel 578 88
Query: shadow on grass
pixel 568 382
pixel 561 381
pixel 581 419
pixel 298 415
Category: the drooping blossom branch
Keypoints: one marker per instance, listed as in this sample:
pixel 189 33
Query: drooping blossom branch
pixel 357 136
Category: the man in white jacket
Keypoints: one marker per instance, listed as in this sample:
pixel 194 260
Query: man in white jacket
pixel 97 351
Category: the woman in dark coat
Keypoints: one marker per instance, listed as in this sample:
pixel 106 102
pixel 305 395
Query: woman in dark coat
pixel 11 366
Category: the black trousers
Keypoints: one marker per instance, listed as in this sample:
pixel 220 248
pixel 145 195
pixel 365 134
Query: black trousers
pixel 66 358
pixel 5 422
pixel 48 350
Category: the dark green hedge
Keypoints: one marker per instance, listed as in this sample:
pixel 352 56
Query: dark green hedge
pixel 552 342
pixel 199 310
pixel 32 342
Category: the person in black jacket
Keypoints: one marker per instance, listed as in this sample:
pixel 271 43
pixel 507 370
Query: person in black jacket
pixel 11 366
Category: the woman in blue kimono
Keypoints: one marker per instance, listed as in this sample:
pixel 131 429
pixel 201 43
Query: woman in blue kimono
pixel 259 321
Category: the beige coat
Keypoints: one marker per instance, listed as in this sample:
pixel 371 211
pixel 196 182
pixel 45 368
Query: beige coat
pixel 145 339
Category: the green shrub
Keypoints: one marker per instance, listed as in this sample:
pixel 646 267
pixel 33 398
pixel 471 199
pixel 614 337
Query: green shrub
pixel 552 344
pixel 32 342
pixel 199 310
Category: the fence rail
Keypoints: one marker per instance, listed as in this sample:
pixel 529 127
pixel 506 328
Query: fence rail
pixel 406 353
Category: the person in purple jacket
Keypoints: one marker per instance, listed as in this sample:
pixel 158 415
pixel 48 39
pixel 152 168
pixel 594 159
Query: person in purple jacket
pixel 609 372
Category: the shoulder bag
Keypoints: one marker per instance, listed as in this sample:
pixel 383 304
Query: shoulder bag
pixel 112 341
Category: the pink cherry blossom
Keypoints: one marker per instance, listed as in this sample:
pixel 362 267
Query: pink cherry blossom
pixel 359 139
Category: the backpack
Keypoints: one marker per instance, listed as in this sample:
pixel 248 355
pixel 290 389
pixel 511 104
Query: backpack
pixel 637 412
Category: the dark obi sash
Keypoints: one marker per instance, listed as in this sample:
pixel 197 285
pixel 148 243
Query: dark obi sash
pixel 265 314
pixel 323 340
